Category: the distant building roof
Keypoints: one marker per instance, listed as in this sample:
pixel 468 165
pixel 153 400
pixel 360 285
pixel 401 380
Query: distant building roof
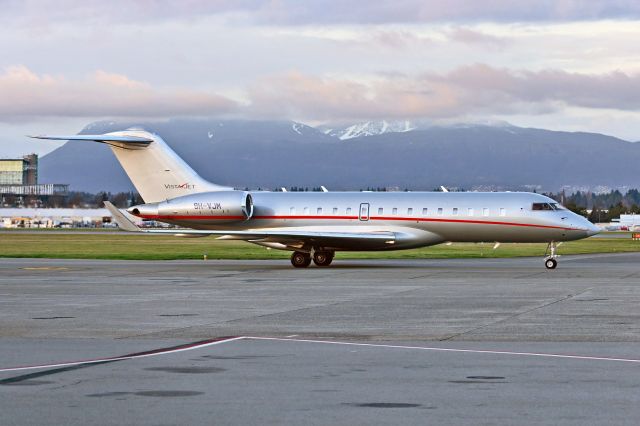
pixel 33 212
pixel 40 189
pixel 629 219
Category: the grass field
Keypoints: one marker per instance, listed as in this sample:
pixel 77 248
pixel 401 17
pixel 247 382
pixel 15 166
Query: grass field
pixel 156 247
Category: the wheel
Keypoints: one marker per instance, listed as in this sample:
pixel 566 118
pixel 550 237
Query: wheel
pixel 300 259
pixel 551 263
pixel 323 258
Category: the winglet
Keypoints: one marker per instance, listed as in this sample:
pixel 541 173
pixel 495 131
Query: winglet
pixel 123 222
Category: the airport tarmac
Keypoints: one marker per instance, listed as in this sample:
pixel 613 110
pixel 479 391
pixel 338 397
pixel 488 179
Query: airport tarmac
pixel 472 341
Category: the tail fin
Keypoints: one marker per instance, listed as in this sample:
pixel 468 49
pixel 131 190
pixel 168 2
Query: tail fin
pixel 156 171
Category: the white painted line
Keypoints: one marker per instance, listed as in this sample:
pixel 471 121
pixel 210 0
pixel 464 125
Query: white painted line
pixel 327 342
pixel 121 358
pixel 474 351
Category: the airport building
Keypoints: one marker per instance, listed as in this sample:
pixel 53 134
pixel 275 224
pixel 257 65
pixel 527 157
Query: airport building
pixel 20 171
pixel 629 221
pixel 66 218
pixel 19 182
pixel 54 218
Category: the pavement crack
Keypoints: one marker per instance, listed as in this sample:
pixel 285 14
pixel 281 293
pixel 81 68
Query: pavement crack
pixel 510 317
pixel 624 277
pixel 272 313
pixel 323 305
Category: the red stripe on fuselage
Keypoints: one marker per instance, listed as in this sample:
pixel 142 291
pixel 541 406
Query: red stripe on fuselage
pixel 177 217
pixel 382 218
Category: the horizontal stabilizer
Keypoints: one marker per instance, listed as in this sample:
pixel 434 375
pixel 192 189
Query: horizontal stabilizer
pixel 157 172
pixel 136 140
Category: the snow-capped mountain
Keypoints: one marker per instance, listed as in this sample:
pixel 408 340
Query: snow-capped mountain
pixel 371 128
pixel 272 154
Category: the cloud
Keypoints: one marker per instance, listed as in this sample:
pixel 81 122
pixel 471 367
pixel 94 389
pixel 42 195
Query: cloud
pixel 315 98
pixel 323 12
pixel 27 95
pixel 471 90
pixel 474 90
pixel 395 39
pixel 614 90
pixel 471 36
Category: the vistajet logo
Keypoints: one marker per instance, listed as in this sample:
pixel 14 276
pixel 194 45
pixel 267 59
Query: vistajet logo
pixel 185 185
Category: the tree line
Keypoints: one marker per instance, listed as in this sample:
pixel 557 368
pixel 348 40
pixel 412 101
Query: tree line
pixel 602 207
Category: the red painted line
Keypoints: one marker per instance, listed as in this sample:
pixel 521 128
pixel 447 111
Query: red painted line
pixel 419 219
pixel 480 222
pixel 307 217
pixel 183 217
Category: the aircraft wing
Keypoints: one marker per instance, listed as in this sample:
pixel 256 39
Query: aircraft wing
pixel 292 237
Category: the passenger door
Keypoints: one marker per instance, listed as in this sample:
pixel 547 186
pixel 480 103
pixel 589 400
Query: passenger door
pixel 364 212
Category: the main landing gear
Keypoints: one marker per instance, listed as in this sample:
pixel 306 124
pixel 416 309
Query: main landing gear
pixel 550 261
pixel 323 258
pixel 300 259
pixel 320 258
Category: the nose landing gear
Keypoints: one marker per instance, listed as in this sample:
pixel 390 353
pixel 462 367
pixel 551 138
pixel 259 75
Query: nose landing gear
pixel 550 261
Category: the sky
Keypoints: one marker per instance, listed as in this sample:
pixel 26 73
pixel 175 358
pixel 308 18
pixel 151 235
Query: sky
pixel 569 65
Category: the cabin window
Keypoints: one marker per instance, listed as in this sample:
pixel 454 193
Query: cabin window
pixel 485 211
pixel 469 211
pixel 439 211
pixel 380 210
pixel 503 212
pixel 335 210
pixel 348 210
pixel 394 211
pixel 306 210
pixel 319 211
pixel 292 210
pixel 425 211
pixel 455 211
pixel 409 211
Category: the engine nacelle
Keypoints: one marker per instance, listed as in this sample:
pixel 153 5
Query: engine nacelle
pixel 207 207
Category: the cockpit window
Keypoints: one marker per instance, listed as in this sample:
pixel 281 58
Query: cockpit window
pixel 541 206
pixel 547 206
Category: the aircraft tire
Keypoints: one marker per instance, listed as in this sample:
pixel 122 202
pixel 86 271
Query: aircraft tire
pixel 300 259
pixel 323 258
pixel 551 263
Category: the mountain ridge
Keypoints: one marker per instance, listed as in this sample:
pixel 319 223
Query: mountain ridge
pixel 272 154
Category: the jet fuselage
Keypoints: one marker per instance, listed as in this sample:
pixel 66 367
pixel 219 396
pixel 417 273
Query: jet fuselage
pixel 417 218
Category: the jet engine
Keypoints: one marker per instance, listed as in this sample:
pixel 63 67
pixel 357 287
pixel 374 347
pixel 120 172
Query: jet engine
pixel 206 207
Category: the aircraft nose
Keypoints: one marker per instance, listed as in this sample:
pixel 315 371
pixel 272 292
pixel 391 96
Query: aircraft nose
pixel 592 229
pixel 586 228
